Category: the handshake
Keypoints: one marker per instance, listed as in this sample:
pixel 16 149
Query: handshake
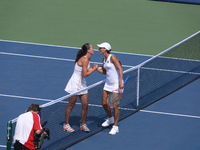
pixel 98 68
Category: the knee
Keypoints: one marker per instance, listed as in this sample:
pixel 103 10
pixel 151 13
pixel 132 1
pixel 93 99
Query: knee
pixel 85 106
pixel 104 103
pixel 70 105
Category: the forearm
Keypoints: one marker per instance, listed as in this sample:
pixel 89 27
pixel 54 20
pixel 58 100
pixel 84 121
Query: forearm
pixel 121 84
pixel 90 71
pixel 101 70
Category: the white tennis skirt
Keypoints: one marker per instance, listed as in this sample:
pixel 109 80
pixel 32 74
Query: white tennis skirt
pixel 111 87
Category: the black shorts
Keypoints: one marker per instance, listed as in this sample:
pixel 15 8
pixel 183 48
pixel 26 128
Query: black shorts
pixel 19 146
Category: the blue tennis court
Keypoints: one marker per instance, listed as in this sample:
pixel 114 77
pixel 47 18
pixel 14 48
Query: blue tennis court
pixel 37 73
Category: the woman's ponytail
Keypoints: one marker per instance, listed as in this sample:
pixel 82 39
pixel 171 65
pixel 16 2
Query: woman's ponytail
pixel 82 51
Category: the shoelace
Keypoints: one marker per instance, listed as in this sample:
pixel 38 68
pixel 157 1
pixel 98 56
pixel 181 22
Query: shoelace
pixel 84 127
pixel 68 128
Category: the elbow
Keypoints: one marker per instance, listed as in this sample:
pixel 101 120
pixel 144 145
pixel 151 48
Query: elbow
pixel 84 75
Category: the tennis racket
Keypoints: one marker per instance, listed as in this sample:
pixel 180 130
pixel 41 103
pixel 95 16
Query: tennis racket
pixel 114 97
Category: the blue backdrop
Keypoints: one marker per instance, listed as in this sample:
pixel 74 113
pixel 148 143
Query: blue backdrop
pixel 183 1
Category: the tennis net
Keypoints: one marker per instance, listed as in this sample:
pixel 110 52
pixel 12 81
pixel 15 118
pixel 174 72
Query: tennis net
pixel 149 82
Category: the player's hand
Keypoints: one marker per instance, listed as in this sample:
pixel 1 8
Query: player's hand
pixel 121 85
pixel 95 66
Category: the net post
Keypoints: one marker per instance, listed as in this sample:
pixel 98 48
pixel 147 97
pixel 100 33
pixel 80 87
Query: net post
pixel 9 135
pixel 138 85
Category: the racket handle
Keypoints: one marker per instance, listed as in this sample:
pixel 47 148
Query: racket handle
pixel 121 90
pixel 126 79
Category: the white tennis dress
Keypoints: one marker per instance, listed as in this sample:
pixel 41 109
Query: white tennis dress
pixel 77 81
pixel 112 76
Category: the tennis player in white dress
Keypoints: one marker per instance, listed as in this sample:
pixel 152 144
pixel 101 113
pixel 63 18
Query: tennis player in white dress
pixel 114 80
pixel 77 82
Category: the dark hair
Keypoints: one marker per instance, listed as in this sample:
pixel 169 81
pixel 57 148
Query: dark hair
pixel 82 51
pixel 34 107
pixel 108 51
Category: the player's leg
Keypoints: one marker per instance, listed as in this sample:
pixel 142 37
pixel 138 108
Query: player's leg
pixel 84 102
pixel 116 115
pixel 105 104
pixel 107 109
pixel 71 104
pixel 115 128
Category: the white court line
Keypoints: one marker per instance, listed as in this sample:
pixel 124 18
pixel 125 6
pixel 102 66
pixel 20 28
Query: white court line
pixel 3 146
pixel 167 70
pixel 66 47
pixel 146 111
pixel 35 56
pixel 54 58
pixel 170 114
pixel 23 97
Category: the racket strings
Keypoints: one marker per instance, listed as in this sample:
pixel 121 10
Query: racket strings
pixel 114 99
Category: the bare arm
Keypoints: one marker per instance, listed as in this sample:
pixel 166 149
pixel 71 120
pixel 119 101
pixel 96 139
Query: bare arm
pixel 101 69
pixel 118 65
pixel 85 71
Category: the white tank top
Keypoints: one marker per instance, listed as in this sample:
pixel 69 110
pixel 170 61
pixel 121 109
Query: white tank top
pixel 77 81
pixel 112 74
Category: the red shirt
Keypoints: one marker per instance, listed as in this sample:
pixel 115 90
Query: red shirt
pixel 26 126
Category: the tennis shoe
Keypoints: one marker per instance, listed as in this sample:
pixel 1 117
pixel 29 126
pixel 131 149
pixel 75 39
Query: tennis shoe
pixel 114 130
pixel 68 128
pixel 84 128
pixel 108 122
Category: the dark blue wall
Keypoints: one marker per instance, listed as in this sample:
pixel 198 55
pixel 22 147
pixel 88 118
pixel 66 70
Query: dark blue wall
pixel 183 1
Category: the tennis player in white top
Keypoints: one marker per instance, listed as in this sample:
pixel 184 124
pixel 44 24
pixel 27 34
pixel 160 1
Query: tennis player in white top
pixel 77 82
pixel 114 80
